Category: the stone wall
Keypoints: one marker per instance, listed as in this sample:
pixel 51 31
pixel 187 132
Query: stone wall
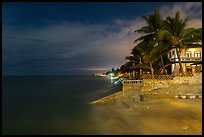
pixel 134 86
pixel 176 87
pixel 149 84
pixel 152 84
pixel 179 86
pixel 121 97
pixel 195 79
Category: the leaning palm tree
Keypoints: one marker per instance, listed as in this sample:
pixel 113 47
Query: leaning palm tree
pixel 138 53
pixel 146 53
pixel 154 25
pixel 176 36
pixel 135 59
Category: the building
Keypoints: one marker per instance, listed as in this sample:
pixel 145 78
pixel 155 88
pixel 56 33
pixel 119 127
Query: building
pixel 191 60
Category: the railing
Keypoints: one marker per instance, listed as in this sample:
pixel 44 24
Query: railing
pixel 192 71
pixel 161 77
pixel 187 59
pixel 197 70
pixel 138 79
pixel 158 77
pixel 184 74
pixel 132 81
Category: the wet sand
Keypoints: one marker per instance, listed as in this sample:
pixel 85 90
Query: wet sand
pixel 151 117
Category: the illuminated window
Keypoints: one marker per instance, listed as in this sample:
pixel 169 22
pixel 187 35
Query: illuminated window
pixel 188 55
pixel 197 54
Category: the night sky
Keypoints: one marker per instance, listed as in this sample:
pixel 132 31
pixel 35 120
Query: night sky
pixel 76 38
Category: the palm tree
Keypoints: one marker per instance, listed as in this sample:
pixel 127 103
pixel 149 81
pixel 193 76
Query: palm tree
pixel 126 67
pixel 132 60
pixel 154 25
pixel 146 53
pixel 137 53
pixel 175 35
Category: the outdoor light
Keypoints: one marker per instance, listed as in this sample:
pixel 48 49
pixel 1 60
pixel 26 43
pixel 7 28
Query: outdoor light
pixel 111 74
pixel 116 82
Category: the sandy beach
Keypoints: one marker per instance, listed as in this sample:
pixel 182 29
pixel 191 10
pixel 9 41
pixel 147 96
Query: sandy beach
pixel 151 117
pixel 161 112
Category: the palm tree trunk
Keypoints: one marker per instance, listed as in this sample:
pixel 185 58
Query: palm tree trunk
pixel 162 60
pixel 162 63
pixel 180 65
pixel 133 74
pixel 152 70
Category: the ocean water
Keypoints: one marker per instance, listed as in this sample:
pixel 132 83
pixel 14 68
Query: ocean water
pixel 51 105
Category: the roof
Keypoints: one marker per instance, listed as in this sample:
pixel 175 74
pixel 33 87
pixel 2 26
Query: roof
pixel 140 66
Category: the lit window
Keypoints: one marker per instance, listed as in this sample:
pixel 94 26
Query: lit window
pixel 188 55
pixel 197 54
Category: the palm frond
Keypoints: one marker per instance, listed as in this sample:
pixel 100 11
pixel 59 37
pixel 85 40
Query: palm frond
pixel 146 38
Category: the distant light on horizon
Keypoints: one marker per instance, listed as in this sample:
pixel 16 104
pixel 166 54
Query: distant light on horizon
pixel 96 69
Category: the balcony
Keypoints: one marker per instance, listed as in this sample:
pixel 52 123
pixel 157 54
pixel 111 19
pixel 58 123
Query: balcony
pixel 186 59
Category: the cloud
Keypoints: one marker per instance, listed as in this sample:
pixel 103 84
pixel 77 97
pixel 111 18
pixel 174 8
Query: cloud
pixel 75 47
pixel 67 45
pixel 186 9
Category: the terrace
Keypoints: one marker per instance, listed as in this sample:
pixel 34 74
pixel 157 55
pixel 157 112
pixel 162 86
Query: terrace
pixel 186 59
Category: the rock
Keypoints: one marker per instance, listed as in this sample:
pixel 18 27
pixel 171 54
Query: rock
pixel 192 97
pixel 185 127
pixel 199 96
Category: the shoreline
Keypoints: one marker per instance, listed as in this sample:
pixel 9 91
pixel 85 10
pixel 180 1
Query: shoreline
pixel 179 86
pixel 173 108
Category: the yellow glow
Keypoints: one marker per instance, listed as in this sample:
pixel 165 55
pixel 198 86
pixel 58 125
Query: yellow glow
pixel 97 69
pixel 192 49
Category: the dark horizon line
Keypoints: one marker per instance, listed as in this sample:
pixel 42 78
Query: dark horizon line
pixel 44 75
